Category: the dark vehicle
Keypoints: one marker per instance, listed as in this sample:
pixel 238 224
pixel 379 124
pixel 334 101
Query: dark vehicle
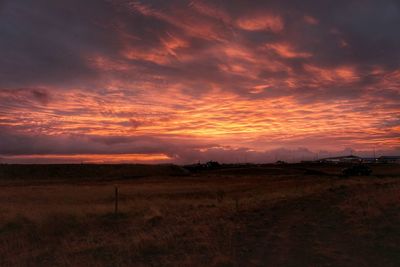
pixel 211 165
pixel 357 170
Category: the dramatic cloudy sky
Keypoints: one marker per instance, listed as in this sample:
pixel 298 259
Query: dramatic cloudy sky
pixel 182 81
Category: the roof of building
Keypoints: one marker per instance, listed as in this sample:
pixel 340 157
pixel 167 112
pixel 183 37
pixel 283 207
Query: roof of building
pixel 343 157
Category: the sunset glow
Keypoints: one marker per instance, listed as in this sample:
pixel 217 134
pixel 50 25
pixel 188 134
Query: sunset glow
pixel 183 81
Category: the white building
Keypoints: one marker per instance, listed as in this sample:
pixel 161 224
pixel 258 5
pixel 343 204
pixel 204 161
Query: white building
pixel 343 159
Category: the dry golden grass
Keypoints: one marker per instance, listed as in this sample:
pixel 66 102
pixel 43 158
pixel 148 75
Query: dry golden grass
pixel 203 220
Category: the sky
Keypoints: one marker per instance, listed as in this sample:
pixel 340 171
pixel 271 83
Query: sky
pixel 159 81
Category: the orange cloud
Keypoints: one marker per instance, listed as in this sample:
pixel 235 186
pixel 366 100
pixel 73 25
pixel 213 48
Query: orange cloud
pixel 286 50
pixel 107 64
pixel 217 117
pixel 173 43
pixel 311 20
pixel 210 10
pixel 343 73
pixel 193 25
pixel 271 23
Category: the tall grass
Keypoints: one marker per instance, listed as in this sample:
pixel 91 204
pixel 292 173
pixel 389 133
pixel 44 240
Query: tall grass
pixel 161 222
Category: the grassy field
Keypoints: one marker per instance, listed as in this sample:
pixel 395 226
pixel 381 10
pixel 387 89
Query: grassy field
pixel 255 216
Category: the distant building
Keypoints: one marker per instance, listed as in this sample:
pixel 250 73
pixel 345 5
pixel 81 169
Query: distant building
pixel 343 159
pixel 389 159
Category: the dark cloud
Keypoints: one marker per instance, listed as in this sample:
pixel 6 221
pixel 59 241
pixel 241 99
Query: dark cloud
pixel 51 43
pixel 20 144
pixel 13 146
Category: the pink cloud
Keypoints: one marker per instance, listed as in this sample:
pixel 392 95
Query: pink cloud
pixel 311 20
pixel 271 23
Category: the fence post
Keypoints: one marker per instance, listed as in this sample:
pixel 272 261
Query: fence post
pixel 237 203
pixel 116 201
